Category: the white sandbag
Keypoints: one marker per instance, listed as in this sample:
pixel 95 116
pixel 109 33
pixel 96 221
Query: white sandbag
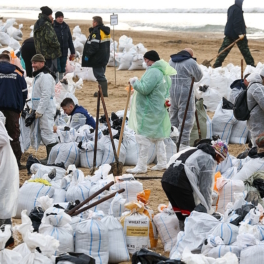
pixel 211 98
pixel 170 148
pixel 123 42
pixel 117 206
pixel 226 164
pixel 118 251
pixel 226 231
pixel 250 167
pixel 39 170
pixel 4 39
pixel 113 62
pixel 209 127
pixel 137 63
pixel 9 23
pixel 86 73
pixel 56 223
pixel 59 196
pixel 189 258
pixel 239 133
pixel 60 91
pixel 28 195
pixel 132 188
pixel 126 61
pixel 77 30
pixel 8 256
pixel 68 153
pixel 78 46
pixel 2 118
pixel 79 188
pixel 14 44
pixel 91 238
pixel 15 33
pixel 254 230
pixel 24 137
pixel 230 172
pixel 136 228
pixel 82 38
pixel 66 136
pixel 167 225
pixel 87 154
pixel 226 189
pixel 193 238
pixel 108 151
pixel 252 255
pixel 223 122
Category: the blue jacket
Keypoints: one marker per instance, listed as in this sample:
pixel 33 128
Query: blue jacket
pixel 235 25
pixel 13 88
pixel 181 56
pixel 80 110
pixel 64 37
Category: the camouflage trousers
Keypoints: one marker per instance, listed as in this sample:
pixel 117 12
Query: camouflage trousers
pixel 243 47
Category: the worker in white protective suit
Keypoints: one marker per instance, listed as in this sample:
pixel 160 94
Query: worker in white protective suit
pixel 187 68
pixel 189 180
pixel 255 101
pixel 43 92
pixel 9 175
pixel 149 117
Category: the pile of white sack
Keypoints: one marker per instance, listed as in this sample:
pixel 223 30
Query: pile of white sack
pixel 127 55
pixel 10 35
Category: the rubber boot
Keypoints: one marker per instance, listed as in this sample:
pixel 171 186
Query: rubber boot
pixel 104 89
pixel 48 149
pixel 142 160
pixel 61 74
pixel 161 157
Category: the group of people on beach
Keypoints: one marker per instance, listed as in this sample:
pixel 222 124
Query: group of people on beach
pixel 151 117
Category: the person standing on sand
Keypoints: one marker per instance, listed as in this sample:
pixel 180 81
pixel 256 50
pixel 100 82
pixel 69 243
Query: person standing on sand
pixel 187 68
pixel 149 117
pixel 96 52
pixel 65 38
pixel 27 52
pixel 235 28
pixel 45 39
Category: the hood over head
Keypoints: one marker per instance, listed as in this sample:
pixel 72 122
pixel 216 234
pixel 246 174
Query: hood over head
pixel 164 67
pixel 254 77
pixel 181 56
pixel 239 3
pixel 6 67
pixel 41 21
pixel 238 84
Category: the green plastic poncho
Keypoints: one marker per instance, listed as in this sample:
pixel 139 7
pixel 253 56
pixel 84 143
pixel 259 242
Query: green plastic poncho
pixel 148 115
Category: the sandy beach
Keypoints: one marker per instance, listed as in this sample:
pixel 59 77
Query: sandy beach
pixel 205 46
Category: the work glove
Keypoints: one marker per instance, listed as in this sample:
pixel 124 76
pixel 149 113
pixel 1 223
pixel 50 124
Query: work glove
pixel 86 58
pixel 241 36
pixel 72 56
pixel 133 80
pixel 30 118
pixel 38 115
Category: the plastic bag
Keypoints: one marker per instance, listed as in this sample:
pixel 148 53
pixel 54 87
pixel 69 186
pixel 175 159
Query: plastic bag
pixel 78 258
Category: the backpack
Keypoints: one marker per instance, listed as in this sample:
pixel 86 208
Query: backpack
pixel 240 109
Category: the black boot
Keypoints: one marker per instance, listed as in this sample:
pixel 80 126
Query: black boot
pixel 48 149
pixel 104 89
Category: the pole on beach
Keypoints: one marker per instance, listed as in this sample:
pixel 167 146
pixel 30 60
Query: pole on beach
pixel 113 22
pixel 242 70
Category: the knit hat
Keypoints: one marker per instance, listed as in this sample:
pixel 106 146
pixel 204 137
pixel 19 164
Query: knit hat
pixel 152 55
pixel 46 10
pixel 260 143
pixel 220 148
pixel 38 58
pixel 59 14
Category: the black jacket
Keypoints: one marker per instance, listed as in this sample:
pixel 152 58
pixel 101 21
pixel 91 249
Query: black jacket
pixel 235 25
pixel 13 88
pixel 64 37
pixel 97 47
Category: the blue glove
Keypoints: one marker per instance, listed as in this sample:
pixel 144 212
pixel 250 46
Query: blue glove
pixel 86 58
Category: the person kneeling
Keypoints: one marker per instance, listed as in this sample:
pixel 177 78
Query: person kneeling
pixel 79 115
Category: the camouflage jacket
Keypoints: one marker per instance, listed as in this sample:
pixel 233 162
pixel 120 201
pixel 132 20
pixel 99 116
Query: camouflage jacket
pixel 45 38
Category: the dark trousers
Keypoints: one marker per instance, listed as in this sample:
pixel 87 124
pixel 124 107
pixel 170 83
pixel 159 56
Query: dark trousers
pixel 182 200
pixel 99 74
pixel 243 47
pixel 12 127
pixel 52 65
pixel 27 52
pixel 61 64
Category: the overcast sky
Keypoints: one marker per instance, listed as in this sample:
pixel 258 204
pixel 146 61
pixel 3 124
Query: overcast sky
pixel 146 4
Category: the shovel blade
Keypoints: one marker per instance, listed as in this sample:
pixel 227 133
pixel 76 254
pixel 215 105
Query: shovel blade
pixel 117 168
pixel 206 63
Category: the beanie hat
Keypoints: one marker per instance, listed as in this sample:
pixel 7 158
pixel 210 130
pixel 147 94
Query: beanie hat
pixel 152 55
pixel 46 10
pixel 260 143
pixel 59 14
pixel 38 57
pixel 220 148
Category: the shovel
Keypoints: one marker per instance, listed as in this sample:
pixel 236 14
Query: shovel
pixel 207 63
pixel 116 167
pixel 124 120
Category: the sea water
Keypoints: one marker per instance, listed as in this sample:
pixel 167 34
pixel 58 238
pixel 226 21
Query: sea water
pixel 177 20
